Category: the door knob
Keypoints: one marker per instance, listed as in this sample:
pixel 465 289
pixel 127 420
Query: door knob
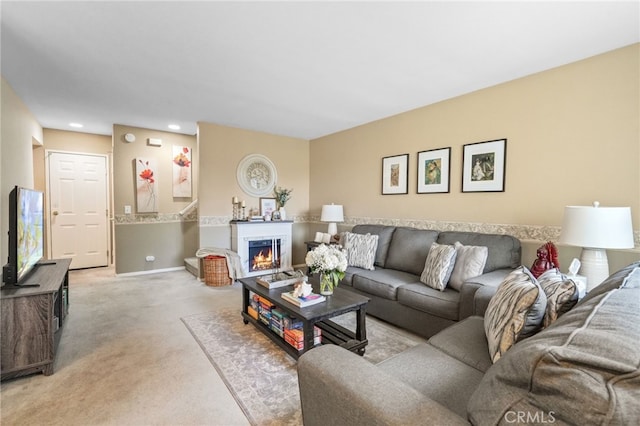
pixel 55 212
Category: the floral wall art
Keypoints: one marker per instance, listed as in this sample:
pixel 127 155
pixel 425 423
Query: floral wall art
pixel 181 171
pixel 146 186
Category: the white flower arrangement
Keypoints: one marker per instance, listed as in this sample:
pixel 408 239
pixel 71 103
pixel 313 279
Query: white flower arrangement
pixel 328 260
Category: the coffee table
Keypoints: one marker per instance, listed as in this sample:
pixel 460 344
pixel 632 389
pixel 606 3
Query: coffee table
pixel 342 301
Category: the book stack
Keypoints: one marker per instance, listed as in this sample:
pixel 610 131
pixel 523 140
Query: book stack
pixel 287 327
pixel 277 321
pixel 295 337
pixel 303 301
pixel 263 308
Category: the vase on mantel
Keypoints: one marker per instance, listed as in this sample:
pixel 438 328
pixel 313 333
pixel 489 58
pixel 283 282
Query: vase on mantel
pixel 326 284
pixel 283 213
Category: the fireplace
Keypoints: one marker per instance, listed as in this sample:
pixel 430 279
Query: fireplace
pixel 264 254
pixel 263 247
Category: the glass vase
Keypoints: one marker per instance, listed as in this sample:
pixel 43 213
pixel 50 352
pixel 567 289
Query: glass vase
pixel 326 284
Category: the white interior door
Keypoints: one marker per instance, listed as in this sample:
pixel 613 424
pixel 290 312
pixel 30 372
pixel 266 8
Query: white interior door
pixel 78 208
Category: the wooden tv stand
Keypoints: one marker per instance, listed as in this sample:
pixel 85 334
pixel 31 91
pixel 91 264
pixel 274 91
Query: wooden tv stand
pixel 32 319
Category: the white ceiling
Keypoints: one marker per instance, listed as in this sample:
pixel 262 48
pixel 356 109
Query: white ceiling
pixel 302 69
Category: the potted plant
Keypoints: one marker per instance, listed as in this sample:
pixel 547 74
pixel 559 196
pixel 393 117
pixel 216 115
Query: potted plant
pixel 282 196
pixel 331 262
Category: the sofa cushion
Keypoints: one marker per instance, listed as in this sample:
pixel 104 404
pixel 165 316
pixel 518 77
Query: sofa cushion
pixel 384 234
pixel 443 304
pixel 470 261
pixel 465 341
pixel 438 266
pixel 436 375
pixel 515 312
pixel 562 294
pixel 361 249
pixel 382 282
pixel 504 250
pixel 409 248
pixel 583 368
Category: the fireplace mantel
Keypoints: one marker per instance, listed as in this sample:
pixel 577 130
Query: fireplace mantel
pixel 244 232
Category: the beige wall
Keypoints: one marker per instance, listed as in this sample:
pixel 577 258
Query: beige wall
pixel 165 235
pixel 573 137
pixel 20 134
pixel 221 149
pixel 125 155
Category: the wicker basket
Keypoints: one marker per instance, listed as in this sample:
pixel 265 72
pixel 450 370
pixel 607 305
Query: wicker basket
pixel 216 273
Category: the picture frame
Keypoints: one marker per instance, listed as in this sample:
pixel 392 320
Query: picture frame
pixel 483 166
pixel 395 174
pixel 434 171
pixel 267 206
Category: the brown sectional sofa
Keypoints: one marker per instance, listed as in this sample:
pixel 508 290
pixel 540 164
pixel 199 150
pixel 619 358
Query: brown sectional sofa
pixel 394 288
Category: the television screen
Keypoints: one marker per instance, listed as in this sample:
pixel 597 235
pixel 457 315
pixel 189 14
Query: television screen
pixel 30 230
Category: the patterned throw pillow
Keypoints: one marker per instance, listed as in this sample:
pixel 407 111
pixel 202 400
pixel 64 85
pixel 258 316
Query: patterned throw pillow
pixel 361 249
pixel 514 312
pixel 438 266
pixel 562 294
pixel 470 261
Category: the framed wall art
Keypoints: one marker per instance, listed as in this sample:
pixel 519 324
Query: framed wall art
pixel 181 163
pixel 146 186
pixel 267 206
pixel 434 171
pixel 483 166
pixel 395 174
pixel 256 175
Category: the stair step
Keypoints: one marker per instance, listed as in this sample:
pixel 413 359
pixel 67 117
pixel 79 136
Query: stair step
pixel 192 264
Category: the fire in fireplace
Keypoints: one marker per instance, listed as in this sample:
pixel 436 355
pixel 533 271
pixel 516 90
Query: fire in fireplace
pixel 264 255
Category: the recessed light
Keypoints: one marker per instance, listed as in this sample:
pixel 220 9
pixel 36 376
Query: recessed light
pixel 76 125
pixel 174 127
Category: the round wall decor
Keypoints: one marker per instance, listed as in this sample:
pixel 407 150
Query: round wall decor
pixel 257 175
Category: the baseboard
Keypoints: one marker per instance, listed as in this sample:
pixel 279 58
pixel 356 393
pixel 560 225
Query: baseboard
pixel 152 271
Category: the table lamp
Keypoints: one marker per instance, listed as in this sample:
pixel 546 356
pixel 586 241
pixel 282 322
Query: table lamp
pixel 596 229
pixel 332 213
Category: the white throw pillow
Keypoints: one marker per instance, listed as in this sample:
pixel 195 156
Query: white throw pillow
pixel 470 261
pixel 438 266
pixel 514 312
pixel 361 249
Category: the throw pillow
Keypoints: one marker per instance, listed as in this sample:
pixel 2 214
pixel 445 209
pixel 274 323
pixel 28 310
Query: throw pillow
pixel 361 249
pixel 562 294
pixel 470 261
pixel 514 312
pixel 438 266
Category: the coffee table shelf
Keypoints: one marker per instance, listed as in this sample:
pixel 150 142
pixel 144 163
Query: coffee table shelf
pixel 319 315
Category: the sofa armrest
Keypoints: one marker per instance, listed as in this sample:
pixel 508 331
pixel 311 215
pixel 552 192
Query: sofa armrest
pixel 482 298
pixel 340 387
pixel 472 285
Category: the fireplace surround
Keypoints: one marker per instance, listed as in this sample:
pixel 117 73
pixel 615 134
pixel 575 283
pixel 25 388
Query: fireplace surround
pixel 263 247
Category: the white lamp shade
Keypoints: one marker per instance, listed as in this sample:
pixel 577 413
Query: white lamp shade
pixel 332 213
pixel 597 227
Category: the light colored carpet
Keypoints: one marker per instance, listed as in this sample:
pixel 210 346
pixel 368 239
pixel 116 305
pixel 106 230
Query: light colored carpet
pixel 126 358
pixel 260 375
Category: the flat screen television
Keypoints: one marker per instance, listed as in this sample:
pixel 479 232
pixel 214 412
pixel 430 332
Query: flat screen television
pixel 26 235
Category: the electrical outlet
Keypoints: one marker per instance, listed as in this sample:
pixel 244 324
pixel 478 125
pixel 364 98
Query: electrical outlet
pixel 127 209
pixel 150 258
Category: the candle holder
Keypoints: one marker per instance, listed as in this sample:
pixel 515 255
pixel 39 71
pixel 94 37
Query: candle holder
pixel 236 211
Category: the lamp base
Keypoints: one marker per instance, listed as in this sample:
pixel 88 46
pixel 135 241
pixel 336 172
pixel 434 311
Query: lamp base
pixel 594 266
pixel 333 229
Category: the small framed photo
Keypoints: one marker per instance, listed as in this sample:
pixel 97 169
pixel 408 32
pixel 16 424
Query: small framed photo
pixel 483 166
pixel 395 174
pixel 434 171
pixel 267 206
